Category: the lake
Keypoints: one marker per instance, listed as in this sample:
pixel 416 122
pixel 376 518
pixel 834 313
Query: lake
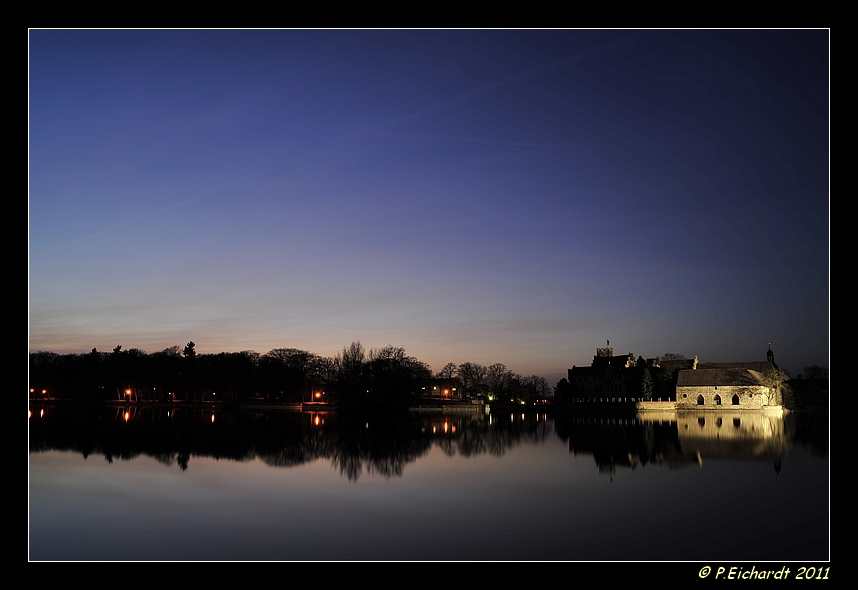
pixel 154 483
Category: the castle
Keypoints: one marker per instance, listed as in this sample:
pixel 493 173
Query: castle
pixel 688 383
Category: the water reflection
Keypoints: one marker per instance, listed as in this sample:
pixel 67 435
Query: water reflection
pixel 431 487
pixel 383 444
pixel 354 443
pixel 735 435
pixel 678 439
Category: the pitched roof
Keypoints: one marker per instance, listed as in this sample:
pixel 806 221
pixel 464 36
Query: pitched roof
pixel 759 366
pixel 724 377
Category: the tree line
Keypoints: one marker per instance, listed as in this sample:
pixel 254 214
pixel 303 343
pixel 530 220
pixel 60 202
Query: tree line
pixel 384 376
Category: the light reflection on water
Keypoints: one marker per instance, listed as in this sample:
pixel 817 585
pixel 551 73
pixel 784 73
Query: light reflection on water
pixel 432 487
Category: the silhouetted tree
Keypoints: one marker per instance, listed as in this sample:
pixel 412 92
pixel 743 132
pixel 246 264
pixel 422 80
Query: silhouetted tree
pixel 394 378
pixel 190 372
pixel 533 387
pixel 349 364
pixel 815 372
pixel 563 391
pixel 287 373
pixel 473 376
pixel 448 372
pixel 496 377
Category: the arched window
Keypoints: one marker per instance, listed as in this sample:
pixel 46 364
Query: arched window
pixel 735 399
pixel 717 400
pixel 700 400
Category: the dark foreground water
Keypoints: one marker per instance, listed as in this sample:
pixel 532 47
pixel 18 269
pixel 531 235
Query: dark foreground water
pixel 152 484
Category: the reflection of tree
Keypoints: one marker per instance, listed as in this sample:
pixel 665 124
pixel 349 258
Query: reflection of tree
pixel 356 443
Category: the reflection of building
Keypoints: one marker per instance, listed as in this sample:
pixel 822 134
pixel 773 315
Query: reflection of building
pixel 732 434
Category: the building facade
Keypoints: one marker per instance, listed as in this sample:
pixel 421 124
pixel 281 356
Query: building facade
pixel 691 384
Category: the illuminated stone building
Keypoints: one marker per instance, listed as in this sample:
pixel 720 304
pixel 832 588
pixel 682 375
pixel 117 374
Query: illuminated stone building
pixel 738 385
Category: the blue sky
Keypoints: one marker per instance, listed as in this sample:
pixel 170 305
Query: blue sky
pixel 485 196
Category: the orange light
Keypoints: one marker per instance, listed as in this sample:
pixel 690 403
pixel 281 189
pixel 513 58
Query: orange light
pixel 127 416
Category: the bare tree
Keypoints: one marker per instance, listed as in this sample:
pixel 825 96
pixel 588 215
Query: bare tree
pixel 448 372
pixel 496 378
pixel 815 372
pixel 473 376
pixel 350 363
pixel 779 389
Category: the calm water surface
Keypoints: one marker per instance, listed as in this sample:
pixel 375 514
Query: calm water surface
pixel 148 484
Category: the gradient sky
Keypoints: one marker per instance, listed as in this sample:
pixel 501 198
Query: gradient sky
pixel 485 196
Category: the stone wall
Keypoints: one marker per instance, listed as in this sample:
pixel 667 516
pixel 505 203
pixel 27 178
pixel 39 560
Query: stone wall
pixel 748 396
